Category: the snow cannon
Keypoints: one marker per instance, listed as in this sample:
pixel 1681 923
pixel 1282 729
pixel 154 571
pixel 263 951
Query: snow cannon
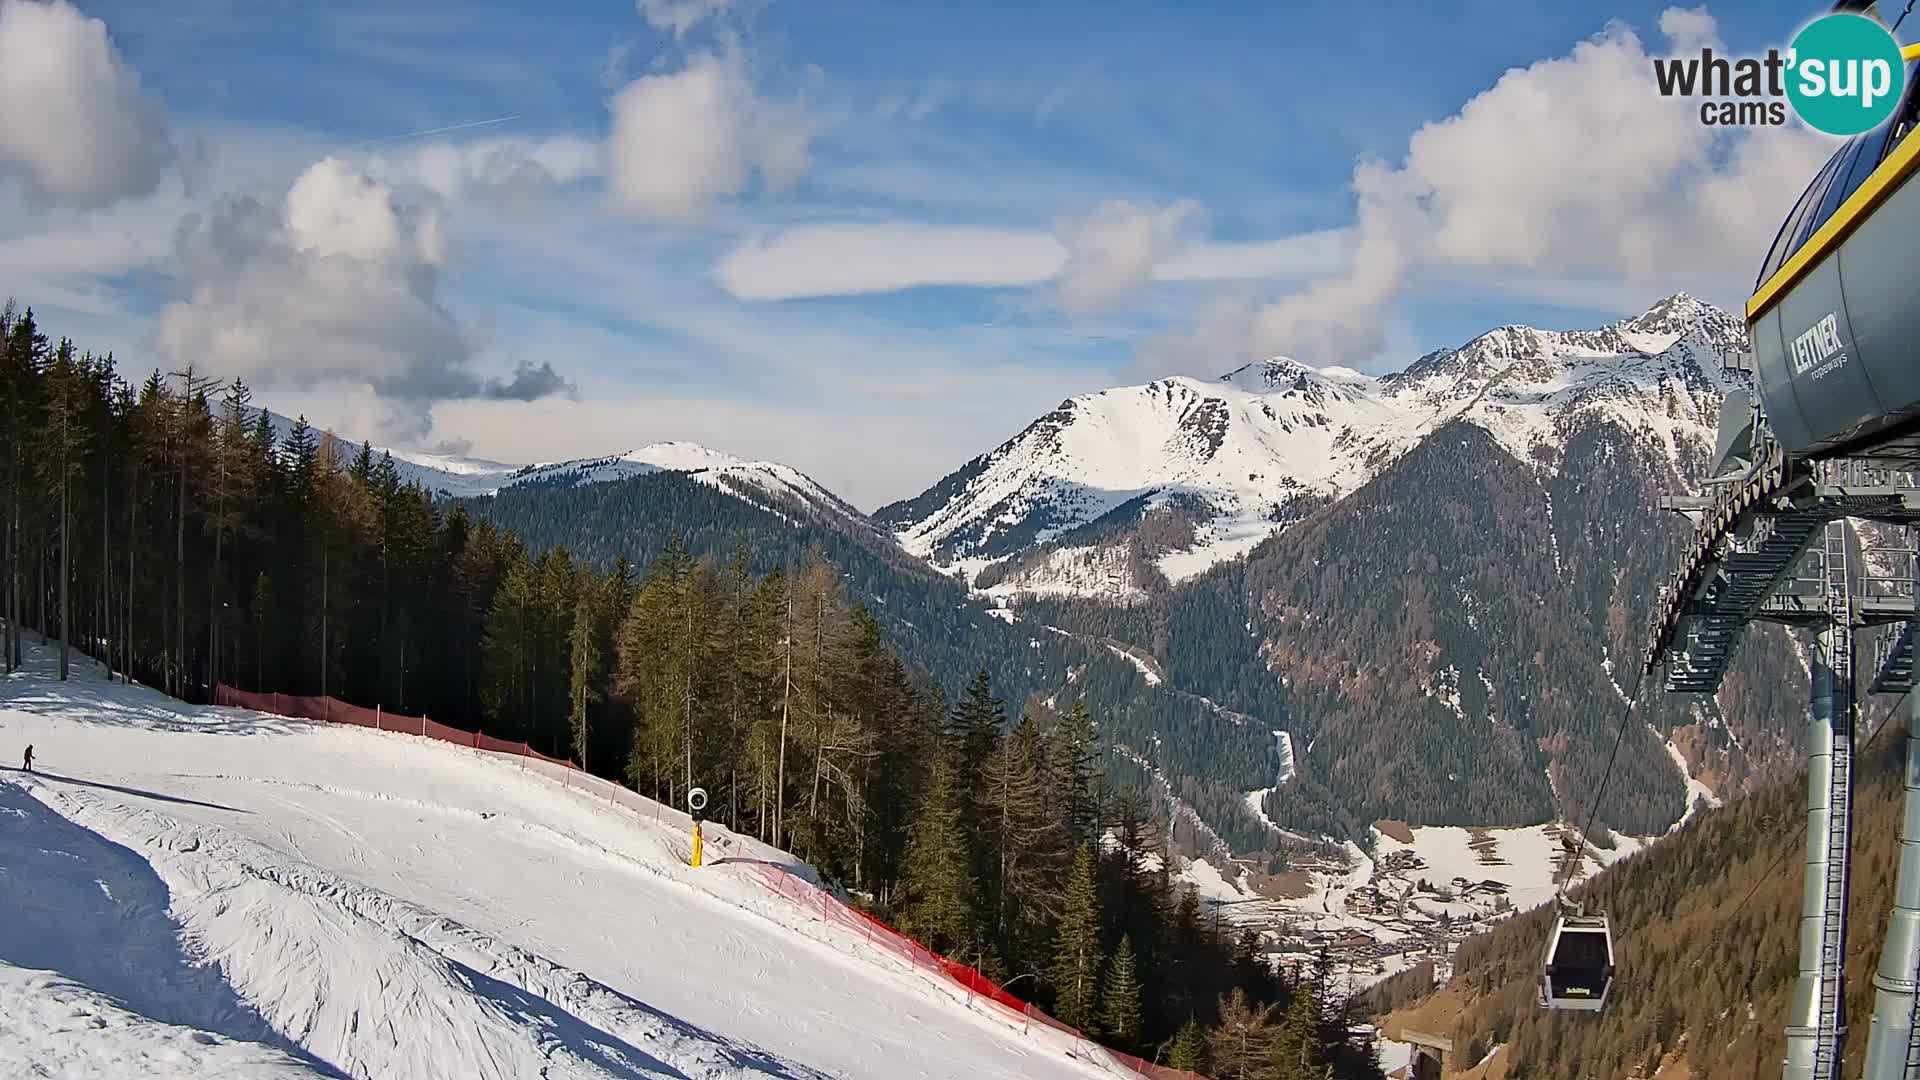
pixel 696 805
pixel 1835 315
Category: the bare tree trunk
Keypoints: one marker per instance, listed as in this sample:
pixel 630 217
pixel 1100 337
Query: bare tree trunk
pixel 180 561
pixel 786 701
pixel 325 595
pixel 133 545
pixel 106 564
pixel 66 545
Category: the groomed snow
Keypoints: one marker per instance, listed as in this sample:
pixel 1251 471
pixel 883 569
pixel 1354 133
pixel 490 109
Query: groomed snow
pixel 237 894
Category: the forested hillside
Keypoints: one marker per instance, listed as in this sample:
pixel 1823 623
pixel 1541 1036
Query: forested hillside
pixel 1207 758
pixel 164 530
pixel 1706 930
pixel 1452 643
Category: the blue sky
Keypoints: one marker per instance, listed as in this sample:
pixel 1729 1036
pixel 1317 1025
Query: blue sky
pixel 867 238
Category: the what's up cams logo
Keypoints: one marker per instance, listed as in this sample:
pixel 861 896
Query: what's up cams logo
pixel 1843 75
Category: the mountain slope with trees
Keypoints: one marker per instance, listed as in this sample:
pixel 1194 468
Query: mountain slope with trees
pixel 1706 929
pixel 167 532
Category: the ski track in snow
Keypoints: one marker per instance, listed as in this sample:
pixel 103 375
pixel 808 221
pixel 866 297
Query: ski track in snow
pixel 279 898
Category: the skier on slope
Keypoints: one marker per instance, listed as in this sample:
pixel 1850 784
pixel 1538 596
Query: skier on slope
pixel 28 765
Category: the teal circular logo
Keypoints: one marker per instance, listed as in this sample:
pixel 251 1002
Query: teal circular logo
pixel 1845 74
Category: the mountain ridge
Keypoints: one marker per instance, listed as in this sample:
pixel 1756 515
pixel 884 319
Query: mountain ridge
pixel 1233 460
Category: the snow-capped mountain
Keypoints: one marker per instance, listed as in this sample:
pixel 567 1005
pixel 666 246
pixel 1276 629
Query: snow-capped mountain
pixel 767 484
pixel 1113 488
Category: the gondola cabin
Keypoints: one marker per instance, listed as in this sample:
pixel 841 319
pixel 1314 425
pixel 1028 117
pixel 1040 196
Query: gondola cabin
pixel 1835 314
pixel 1578 968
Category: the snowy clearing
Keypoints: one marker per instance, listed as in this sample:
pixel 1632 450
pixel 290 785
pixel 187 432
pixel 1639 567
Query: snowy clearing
pixel 282 898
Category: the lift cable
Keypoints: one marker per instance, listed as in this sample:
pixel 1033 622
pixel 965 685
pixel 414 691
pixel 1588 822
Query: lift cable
pixel 1573 861
pixel 1903 18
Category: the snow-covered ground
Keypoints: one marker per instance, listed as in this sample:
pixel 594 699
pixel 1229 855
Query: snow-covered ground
pixel 192 891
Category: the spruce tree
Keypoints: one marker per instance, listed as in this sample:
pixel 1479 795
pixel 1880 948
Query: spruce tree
pixel 1189 1048
pixel 1298 1052
pixel 1120 998
pixel 937 882
pixel 1070 758
pixel 1077 954
pixel 1025 843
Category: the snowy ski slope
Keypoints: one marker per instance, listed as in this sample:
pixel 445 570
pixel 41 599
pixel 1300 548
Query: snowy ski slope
pixel 190 891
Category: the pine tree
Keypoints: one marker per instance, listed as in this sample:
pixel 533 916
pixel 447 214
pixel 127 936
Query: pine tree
pixel 937 883
pixel 1189 1048
pixel 1298 1052
pixel 589 618
pixel 1025 843
pixel 1077 954
pixel 1070 758
pixel 1120 998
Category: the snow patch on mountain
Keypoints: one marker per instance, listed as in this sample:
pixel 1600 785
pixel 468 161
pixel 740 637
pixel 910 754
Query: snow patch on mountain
pixel 769 485
pixel 1193 472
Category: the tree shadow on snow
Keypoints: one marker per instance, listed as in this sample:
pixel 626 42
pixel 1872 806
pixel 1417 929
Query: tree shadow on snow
pixel 154 795
pixel 605 1050
pixel 94 911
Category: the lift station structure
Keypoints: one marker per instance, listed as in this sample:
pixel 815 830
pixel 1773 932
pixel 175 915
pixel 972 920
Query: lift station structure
pixel 1829 433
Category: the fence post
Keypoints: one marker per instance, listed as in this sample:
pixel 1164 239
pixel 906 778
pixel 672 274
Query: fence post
pixel 376 717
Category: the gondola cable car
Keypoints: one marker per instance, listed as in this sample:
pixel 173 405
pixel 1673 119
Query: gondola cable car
pixel 1576 970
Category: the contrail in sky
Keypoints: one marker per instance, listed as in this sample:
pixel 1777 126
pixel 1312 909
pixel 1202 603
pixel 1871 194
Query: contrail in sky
pixel 444 130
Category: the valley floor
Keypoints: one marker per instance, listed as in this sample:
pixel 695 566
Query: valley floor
pixel 190 891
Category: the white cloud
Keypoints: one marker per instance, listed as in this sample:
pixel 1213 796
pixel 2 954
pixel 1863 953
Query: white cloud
pixel 74 124
pixel 1689 29
pixel 849 259
pixel 680 16
pixel 1113 251
pixel 335 284
pixel 514 171
pixel 852 258
pixel 1574 166
pixel 682 139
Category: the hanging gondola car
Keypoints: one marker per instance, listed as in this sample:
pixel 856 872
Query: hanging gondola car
pixel 1835 313
pixel 1577 971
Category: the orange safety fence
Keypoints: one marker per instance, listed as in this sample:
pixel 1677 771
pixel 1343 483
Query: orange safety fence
pixel 334 711
pixel 811 899
pixel 803 894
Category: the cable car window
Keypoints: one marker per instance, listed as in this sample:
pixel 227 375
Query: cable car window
pixel 1907 116
pixel 1784 244
pixel 1845 178
pixel 1805 226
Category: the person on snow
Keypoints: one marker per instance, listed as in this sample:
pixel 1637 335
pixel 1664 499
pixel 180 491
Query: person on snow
pixel 28 766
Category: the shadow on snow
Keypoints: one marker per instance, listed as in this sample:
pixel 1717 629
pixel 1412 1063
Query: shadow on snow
pixel 78 904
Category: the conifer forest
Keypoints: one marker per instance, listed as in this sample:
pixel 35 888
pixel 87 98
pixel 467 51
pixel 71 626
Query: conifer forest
pixel 156 522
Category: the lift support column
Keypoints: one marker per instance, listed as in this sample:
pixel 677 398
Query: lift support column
pixel 1893 1040
pixel 1816 1021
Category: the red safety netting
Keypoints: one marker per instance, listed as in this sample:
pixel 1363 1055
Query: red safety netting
pixel 334 711
pixel 820 903
pixel 806 896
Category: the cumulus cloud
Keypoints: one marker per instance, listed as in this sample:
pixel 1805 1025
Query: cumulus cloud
pixel 74 124
pixel 333 284
pixel 680 16
pixel 685 138
pixel 1113 251
pixel 1573 166
pixel 514 172
pixel 1689 29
